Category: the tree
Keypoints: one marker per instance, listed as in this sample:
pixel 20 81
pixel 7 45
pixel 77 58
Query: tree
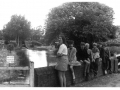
pixel 18 28
pixel 81 21
pixel 37 34
pixel 1 34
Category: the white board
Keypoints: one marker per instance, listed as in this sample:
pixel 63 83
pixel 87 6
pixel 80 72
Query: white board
pixel 10 59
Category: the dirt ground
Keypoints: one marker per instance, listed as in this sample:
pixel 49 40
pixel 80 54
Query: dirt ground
pixel 111 80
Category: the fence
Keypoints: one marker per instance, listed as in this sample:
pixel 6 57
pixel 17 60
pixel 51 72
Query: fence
pixel 30 76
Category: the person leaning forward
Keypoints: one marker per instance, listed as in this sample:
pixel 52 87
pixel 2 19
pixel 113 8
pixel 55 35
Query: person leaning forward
pixel 83 57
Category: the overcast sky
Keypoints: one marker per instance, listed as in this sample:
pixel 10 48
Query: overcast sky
pixel 35 11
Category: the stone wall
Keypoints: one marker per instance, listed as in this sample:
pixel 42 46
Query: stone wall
pixel 47 76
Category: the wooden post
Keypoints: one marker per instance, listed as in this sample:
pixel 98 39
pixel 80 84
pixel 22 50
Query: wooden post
pixel 31 74
pixel 47 60
pixel 9 73
pixel 116 65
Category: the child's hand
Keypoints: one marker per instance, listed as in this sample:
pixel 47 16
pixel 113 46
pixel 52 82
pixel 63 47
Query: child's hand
pixel 100 59
pixel 93 60
pixel 59 55
pixel 85 60
pixel 81 61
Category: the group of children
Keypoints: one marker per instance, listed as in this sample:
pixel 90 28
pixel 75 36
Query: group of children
pixel 91 57
pixel 84 55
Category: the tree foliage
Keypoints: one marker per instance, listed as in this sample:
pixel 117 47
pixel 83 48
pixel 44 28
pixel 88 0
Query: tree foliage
pixel 37 34
pixel 81 21
pixel 1 34
pixel 18 28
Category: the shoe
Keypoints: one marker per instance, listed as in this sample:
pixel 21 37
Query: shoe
pixel 95 74
pixel 86 78
pixel 85 74
pixel 106 72
pixel 110 72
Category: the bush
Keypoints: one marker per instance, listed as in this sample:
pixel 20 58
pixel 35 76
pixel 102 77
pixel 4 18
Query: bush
pixel 114 49
pixel 6 42
pixel 113 43
pixel 10 47
pixel 14 44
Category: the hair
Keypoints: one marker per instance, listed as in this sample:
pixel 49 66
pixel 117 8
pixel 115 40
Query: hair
pixel 82 43
pixel 70 42
pixel 87 44
pixel 64 40
pixel 94 44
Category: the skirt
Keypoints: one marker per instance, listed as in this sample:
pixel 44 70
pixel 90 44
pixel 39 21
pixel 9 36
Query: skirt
pixel 74 63
pixel 62 63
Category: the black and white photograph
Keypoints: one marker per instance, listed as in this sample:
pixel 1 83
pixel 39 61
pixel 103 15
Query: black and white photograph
pixel 59 43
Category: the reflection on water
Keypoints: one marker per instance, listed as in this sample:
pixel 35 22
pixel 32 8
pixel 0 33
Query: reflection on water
pixel 38 57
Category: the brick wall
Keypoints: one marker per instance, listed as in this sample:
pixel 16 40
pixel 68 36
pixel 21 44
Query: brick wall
pixel 47 76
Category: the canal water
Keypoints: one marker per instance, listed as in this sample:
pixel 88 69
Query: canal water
pixel 41 58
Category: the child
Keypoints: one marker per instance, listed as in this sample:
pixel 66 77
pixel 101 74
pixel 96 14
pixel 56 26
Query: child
pixel 87 67
pixel 72 58
pixel 96 56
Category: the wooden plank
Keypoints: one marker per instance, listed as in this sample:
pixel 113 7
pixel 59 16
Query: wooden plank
pixel 116 65
pixel 14 68
pixel 31 74
pixel 112 65
pixel 13 85
pixel 31 77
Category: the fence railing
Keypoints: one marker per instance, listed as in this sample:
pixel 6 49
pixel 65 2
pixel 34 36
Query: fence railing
pixel 30 76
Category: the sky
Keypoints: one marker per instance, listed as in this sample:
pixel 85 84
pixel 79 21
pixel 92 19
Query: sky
pixel 36 11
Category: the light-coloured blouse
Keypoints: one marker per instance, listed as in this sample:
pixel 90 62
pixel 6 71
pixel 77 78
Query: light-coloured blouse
pixel 63 49
pixel 72 54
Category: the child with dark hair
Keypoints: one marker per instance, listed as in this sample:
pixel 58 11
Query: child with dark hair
pixel 83 57
pixel 102 56
pixel 107 58
pixel 72 58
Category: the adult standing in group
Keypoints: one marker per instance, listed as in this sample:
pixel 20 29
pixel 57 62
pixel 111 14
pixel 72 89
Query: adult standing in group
pixel 102 56
pixel 83 56
pixel 107 58
pixel 62 61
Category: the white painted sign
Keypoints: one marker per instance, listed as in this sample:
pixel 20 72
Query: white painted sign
pixel 10 59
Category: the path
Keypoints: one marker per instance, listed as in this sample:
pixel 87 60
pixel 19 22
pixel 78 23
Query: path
pixel 111 80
